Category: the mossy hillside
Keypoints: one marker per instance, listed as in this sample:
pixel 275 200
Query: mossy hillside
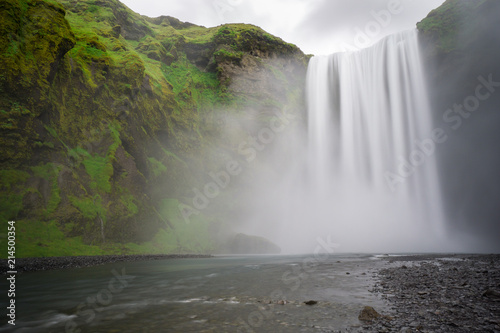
pixel 17 129
pixel 451 25
pixel 461 34
pixel 110 122
pixel 30 31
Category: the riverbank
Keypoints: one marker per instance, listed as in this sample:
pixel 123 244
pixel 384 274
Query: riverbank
pixel 439 293
pixel 268 294
pixel 50 263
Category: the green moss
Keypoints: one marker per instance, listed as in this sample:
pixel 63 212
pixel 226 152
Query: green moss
pixel 157 167
pixel 248 38
pixel 89 207
pixel 277 73
pixel 87 53
pixel 47 144
pixel 99 167
pixel 192 86
pixel 31 30
pixel 224 55
pixel 174 156
pixel 43 171
pixel 10 205
pixel 177 236
pixel 129 202
pixel 100 170
pixel 50 172
pixel 18 137
pixel 11 193
pixel 51 131
pixel 9 178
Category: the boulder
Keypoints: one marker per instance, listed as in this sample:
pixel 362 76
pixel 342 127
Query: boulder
pixel 245 244
pixel 368 314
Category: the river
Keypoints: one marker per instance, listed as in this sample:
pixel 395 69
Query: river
pixel 220 294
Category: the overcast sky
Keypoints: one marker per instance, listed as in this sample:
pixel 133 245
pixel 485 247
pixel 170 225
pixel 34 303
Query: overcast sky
pixel 316 26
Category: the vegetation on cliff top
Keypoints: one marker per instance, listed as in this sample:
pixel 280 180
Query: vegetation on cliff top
pixel 451 25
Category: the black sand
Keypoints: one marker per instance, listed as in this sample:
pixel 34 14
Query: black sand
pixel 42 264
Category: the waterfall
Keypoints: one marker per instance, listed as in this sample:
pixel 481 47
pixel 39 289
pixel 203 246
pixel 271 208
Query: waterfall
pixel 366 176
pixel 370 160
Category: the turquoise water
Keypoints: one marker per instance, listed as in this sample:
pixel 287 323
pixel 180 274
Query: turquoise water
pixel 221 294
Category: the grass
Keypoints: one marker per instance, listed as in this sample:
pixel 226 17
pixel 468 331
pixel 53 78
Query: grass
pixel 192 86
pixel 224 55
pixel 89 207
pixel 35 238
pixel 44 239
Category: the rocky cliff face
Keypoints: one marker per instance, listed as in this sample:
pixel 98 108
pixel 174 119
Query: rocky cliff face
pixel 462 52
pixel 107 117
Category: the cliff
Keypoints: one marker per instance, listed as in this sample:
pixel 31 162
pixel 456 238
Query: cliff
pixel 462 48
pixel 109 120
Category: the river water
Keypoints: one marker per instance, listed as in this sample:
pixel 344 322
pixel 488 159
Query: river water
pixel 220 294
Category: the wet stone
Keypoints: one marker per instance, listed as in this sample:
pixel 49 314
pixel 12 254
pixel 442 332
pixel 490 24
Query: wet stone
pixel 439 293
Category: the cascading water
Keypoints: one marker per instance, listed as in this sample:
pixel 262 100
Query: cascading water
pixel 367 178
pixel 370 145
pixel 370 141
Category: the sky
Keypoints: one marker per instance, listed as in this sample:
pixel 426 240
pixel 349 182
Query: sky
pixel 315 26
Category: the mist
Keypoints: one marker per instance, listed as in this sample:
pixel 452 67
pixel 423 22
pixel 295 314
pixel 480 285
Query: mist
pixel 454 210
pixel 265 177
pixel 311 185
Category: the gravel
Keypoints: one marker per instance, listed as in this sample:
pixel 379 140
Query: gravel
pixel 436 293
pixel 48 263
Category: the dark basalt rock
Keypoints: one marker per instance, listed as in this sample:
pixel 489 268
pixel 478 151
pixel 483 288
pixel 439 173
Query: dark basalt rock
pixel 439 294
pixel 245 244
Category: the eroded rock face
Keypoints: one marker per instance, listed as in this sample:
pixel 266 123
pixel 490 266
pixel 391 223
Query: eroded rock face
pixel 462 48
pixel 254 76
pixel 263 68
